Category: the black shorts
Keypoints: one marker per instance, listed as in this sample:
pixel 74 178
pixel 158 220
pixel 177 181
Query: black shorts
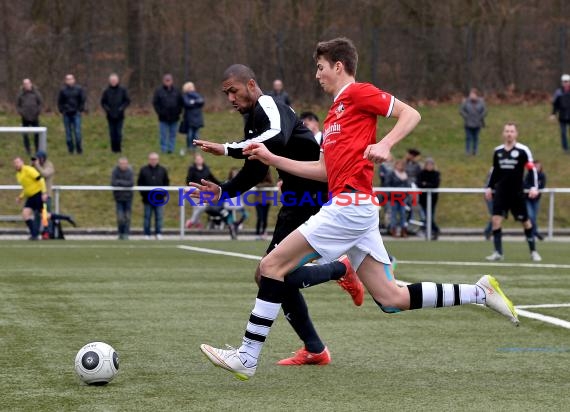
pixel 289 219
pixel 515 202
pixel 35 202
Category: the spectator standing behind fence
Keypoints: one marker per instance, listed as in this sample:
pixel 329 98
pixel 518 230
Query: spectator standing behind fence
pixel 429 178
pixel 46 169
pixel 115 100
pixel 153 174
pixel 196 173
pixel 412 165
pixel 123 176
pixel 71 103
pixel 262 206
pixel 473 111
pixel 561 105
pixel 29 106
pixel 533 205
pixel 398 178
pixel 168 104
pixel 278 93
pixel 193 118
pixel 34 191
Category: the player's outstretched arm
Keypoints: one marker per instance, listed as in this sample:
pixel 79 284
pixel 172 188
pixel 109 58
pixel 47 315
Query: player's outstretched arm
pixel 408 119
pixel 216 149
pixel 314 170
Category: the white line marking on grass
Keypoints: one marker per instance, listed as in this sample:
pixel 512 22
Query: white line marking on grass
pixel 495 264
pixel 543 318
pixel 521 312
pixel 219 252
pixel 545 306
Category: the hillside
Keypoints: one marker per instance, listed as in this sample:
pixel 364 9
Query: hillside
pixel 439 135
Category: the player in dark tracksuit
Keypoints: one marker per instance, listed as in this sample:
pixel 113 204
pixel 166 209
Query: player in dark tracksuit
pixel 276 125
pixel 510 161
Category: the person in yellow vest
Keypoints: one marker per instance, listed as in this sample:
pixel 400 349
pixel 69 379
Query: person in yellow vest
pixel 33 191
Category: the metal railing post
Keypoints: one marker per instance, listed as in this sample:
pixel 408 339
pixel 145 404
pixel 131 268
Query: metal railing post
pixel 428 217
pixel 182 219
pixel 550 215
pixel 56 199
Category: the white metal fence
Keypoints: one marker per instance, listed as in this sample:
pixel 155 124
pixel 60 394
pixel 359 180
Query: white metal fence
pixel 41 130
pixel 550 193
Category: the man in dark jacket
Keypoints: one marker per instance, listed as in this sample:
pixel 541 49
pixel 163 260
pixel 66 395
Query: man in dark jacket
pixel 71 102
pixel 167 103
pixel 561 105
pixel 473 111
pixel 115 100
pixel 193 119
pixel 198 171
pixel 123 176
pixel 429 178
pixel 279 94
pixel 29 106
pixel 153 174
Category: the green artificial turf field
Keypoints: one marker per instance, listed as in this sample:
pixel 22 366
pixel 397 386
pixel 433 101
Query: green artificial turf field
pixel 155 303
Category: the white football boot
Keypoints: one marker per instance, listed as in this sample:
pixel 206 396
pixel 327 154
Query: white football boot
pixel 229 360
pixel 535 257
pixel 495 298
pixel 495 257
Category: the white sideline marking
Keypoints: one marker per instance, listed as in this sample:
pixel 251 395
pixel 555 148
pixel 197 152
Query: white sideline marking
pixel 219 252
pixel 521 312
pixel 545 305
pixel 544 318
pixel 497 264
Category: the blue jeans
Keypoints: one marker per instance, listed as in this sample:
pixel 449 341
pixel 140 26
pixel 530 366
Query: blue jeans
pixel 167 134
pixel 532 208
pixel 564 135
pixel 158 217
pixel 123 209
pixel 72 124
pixel 397 215
pixel 190 137
pixel 471 140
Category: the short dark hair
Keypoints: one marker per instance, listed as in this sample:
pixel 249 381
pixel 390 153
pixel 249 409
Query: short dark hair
pixel 309 115
pixel 511 124
pixel 341 50
pixel 240 72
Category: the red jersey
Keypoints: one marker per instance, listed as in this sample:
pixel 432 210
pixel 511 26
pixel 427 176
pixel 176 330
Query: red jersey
pixel 349 128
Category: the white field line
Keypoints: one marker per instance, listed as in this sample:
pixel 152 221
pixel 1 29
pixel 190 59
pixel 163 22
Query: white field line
pixel 490 264
pixel 545 306
pixel 548 319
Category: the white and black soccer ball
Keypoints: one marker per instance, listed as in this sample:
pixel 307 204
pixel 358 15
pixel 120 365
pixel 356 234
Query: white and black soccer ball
pixel 97 363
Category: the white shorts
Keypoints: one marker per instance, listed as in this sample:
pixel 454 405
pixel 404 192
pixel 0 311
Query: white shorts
pixel 352 229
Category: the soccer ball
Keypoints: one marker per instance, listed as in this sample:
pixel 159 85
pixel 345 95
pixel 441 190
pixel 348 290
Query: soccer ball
pixel 96 363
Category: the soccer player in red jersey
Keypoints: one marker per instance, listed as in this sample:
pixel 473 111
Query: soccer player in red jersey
pixel 349 224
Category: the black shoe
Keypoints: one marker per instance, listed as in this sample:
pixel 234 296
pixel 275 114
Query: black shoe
pixel 539 236
pixel 33 238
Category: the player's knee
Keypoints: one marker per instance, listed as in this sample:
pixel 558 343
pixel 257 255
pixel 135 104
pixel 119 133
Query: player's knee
pixel 269 266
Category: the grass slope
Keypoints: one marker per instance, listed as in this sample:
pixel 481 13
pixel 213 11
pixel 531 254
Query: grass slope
pixel 155 304
pixel 440 135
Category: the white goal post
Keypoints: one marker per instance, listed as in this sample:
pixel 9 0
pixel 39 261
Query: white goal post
pixel 41 130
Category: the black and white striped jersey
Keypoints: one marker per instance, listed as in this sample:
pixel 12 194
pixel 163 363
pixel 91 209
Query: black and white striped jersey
pixel 277 126
pixel 509 167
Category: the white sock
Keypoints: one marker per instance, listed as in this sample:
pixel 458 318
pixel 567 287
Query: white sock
pixel 258 327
